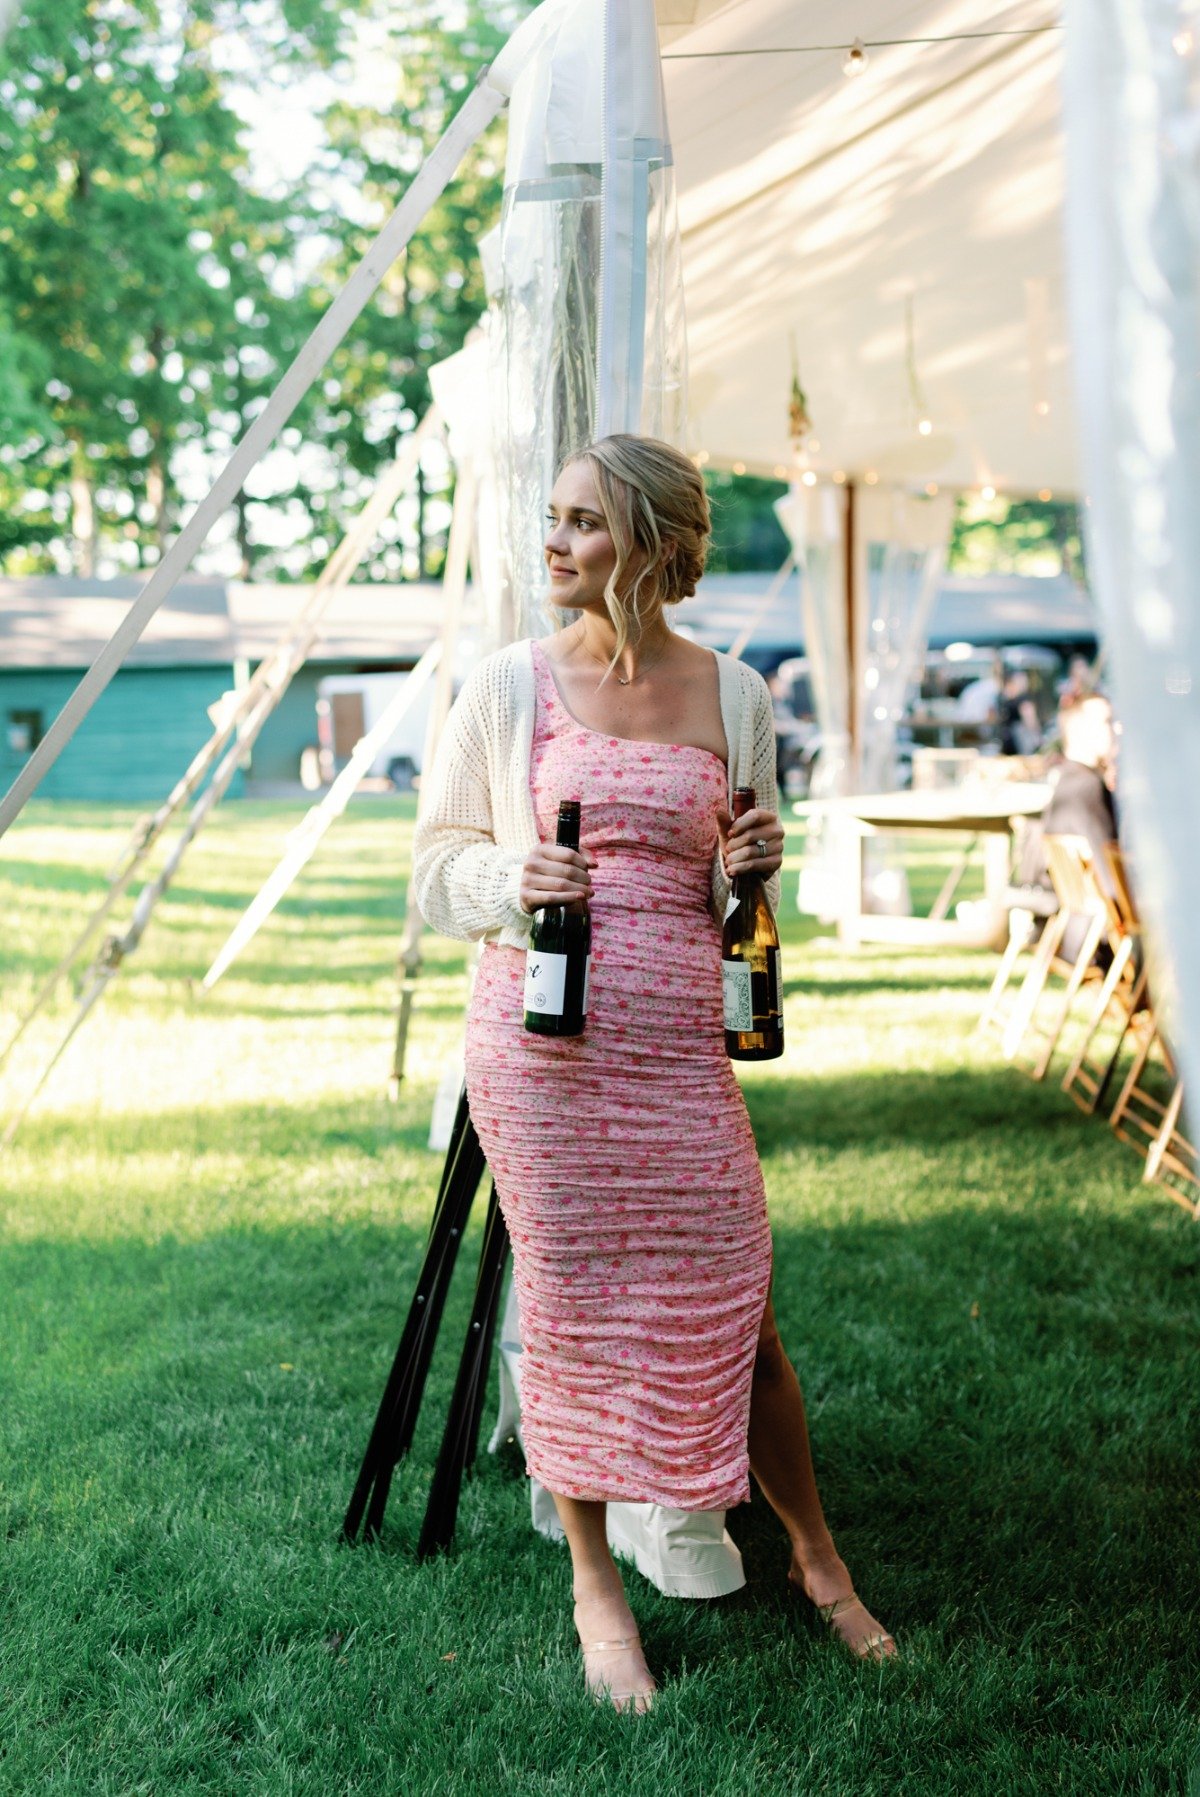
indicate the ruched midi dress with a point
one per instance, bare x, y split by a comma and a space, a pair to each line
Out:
624, 1159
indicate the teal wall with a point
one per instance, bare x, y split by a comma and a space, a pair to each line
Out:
135, 742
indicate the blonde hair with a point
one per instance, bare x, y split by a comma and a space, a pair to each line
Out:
656, 511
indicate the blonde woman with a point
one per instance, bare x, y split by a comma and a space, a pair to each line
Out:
652, 1370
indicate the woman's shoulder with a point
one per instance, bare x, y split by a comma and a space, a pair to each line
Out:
740, 680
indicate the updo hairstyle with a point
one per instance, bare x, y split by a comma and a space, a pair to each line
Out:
656, 511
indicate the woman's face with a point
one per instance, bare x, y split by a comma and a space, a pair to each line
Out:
580, 554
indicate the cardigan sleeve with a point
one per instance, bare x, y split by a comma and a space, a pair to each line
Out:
756, 698
465, 884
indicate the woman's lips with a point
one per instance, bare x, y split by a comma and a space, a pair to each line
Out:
562, 573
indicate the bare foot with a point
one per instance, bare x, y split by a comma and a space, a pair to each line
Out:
827, 1586
614, 1666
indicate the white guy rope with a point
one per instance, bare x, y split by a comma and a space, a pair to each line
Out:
274, 674
312, 827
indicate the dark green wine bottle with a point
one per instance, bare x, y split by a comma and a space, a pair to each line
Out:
558, 960
750, 963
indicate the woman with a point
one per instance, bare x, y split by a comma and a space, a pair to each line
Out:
652, 1370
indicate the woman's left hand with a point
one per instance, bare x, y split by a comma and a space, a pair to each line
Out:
742, 840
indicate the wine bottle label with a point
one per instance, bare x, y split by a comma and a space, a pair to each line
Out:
545, 982
587, 983
736, 990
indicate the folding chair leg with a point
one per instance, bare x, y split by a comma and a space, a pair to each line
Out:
1017, 941
1075, 980
1033, 985
1089, 1100
1162, 1140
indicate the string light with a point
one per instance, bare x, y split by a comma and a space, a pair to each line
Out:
875, 43
739, 467
780, 471
1183, 43
856, 59
700, 457
839, 475
809, 478
871, 477
1042, 408
1045, 495
932, 489
925, 426
987, 494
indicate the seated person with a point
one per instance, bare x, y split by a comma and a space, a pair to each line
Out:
1081, 803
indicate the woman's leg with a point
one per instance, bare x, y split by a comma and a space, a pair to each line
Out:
602, 1613
781, 1461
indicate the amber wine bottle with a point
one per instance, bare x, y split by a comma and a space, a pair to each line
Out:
558, 960
750, 963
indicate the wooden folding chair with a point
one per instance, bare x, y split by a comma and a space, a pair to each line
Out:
1068, 859
1028, 909
1123, 993
1151, 1120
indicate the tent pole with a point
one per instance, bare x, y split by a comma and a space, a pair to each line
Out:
850, 557
454, 586
473, 117
275, 673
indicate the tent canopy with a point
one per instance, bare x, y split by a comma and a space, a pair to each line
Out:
820, 205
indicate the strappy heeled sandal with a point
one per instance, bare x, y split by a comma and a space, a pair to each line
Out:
871, 1647
635, 1702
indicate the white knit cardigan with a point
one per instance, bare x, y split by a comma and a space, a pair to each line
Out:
475, 824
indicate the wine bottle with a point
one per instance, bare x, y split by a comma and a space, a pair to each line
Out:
558, 960
750, 963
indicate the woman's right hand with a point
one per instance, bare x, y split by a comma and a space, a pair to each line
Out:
555, 876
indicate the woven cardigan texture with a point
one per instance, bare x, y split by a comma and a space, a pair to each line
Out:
475, 824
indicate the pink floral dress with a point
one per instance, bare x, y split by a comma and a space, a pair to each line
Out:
624, 1158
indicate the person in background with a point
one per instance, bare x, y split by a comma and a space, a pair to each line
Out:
1019, 726
1082, 802
1079, 682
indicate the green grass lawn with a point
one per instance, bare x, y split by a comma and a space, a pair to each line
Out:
211, 1223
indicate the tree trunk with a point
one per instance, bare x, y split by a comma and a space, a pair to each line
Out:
83, 514
422, 557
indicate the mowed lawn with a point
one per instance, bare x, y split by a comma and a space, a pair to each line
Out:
211, 1224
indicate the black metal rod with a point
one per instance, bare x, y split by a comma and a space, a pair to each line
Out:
461, 1435
395, 1421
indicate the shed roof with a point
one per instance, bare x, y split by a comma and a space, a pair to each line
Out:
63, 622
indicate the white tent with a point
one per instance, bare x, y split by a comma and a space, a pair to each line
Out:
823, 206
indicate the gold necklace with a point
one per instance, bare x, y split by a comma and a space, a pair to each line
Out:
601, 663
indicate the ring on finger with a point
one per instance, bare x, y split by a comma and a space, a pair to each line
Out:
760, 848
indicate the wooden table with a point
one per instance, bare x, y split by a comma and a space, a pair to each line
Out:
982, 812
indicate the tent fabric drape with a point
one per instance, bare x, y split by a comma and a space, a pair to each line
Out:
904, 538
584, 271
1133, 237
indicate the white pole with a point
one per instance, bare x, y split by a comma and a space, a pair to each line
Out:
316, 822
475, 115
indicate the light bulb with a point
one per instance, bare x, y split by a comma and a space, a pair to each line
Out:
809, 478
1183, 43
987, 493
856, 59
925, 426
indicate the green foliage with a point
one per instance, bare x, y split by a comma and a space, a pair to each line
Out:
154, 294
747, 536
1017, 536
211, 1229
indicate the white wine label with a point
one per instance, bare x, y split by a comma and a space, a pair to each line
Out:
730, 907
545, 982
587, 983
739, 1004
